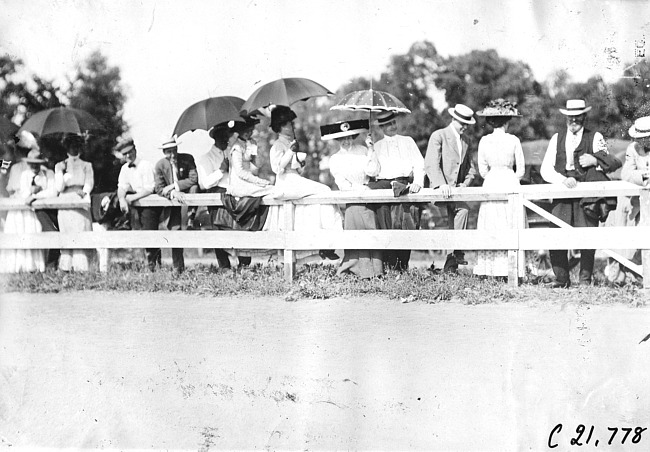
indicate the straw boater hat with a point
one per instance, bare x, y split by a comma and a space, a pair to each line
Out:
462, 113
170, 144
125, 146
575, 107
640, 128
34, 156
343, 129
499, 108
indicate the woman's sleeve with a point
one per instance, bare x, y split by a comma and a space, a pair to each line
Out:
339, 174
280, 157
89, 178
631, 171
59, 183
519, 159
483, 167
237, 164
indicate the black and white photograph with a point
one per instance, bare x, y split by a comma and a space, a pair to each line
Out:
325, 225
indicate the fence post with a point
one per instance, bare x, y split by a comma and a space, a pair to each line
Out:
515, 207
644, 204
289, 254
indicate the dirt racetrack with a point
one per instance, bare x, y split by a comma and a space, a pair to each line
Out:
165, 371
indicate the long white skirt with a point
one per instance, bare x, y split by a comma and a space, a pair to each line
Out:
74, 220
14, 261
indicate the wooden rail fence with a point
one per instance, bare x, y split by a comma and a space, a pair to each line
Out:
516, 239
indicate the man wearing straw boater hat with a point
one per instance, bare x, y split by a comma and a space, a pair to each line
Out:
449, 164
175, 174
569, 155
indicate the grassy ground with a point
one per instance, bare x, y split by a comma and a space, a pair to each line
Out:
316, 281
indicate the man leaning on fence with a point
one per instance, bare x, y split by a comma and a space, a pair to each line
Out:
576, 154
175, 175
136, 180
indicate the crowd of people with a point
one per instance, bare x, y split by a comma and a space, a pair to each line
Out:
382, 159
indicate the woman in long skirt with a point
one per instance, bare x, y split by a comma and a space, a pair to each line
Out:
501, 164
74, 180
352, 166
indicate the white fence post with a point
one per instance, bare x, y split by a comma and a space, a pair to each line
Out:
289, 254
514, 205
644, 204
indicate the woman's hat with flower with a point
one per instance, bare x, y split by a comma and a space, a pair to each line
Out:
27, 140
575, 107
500, 108
249, 122
343, 129
640, 128
462, 113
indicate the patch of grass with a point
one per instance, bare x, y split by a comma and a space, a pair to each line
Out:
314, 282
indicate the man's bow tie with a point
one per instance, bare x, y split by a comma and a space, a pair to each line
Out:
131, 165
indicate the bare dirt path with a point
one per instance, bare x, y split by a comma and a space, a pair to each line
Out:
165, 371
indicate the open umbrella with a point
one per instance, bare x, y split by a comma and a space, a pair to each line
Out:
209, 112
372, 101
61, 120
7, 129
284, 91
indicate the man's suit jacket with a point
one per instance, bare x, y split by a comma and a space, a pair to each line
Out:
187, 175
444, 164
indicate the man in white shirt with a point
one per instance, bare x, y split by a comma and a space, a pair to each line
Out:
569, 155
449, 164
213, 170
136, 180
400, 161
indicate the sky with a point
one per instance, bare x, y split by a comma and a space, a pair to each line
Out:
174, 53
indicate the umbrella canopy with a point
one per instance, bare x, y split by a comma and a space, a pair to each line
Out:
284, 91
7, 129
209, 112
372, 101
61, 120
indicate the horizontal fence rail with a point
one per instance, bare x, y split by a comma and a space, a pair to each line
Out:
517, 239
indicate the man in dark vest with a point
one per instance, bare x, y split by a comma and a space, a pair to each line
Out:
569, 155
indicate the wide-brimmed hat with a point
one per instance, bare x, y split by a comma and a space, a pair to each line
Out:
343, 129
640, 128
385, 117
34, 156
499, 108
462, 113
227, 126
169, 144
575, 107
249, 121
27, 140
281, 114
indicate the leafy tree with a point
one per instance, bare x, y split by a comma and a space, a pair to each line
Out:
97, 89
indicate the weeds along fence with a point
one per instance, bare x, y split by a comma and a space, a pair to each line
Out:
516, 239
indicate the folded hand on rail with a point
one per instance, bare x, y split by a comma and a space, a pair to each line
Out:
445, 190
414, 188
570, 182
179, 195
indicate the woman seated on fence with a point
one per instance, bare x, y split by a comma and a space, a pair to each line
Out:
636, 170
501, 164
352, 166
35, 182
74, 180
287, 162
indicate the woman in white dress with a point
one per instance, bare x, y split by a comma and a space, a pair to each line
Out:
34, 182
242, 157
352, 166
286, 163
501, 164
74, 180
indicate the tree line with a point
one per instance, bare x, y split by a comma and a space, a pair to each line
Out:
421, 78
